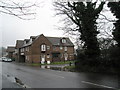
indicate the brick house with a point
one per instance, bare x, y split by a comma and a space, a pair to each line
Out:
41, 49
19, 44
10, 52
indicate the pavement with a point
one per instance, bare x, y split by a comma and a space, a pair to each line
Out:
36, 77
7, 81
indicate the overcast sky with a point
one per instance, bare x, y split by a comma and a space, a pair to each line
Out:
13, 28
45, 23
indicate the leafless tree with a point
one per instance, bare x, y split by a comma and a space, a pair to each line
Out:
104, 24
21, 9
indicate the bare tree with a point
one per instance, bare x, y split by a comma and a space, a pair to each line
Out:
104, 23
21, 9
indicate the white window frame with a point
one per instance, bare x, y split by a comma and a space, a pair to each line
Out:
26, 57
65, 48
63, 40
22, 49
31, 40
48, 55
43, 47
61, 47
16, 51
48, 47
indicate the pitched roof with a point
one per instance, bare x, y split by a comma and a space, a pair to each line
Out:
53, 40
10, 49
33, 37
28, 41
19, 43
57, 41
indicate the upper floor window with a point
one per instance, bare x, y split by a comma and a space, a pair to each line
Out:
43, 47
65, 48
23, 49
48, 47
27, 49
61, 47
63, 40
24, 42
31, 40
16, 51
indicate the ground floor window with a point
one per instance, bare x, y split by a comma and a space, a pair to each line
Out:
54, 55
42, 59
66, 56
27, 58
48, 55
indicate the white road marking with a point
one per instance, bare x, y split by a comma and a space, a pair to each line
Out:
104, 86
58, 76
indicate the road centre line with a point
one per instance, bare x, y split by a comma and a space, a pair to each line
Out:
58, 76
104, 86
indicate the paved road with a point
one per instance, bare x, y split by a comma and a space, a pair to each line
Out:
35, 77
7, 81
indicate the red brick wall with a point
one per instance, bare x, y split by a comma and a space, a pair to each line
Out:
36, 49
35, 53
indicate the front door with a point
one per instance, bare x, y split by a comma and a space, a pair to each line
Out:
66, 56
42, 59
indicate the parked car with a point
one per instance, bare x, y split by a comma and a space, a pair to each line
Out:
5, 59
0, 59
9, 60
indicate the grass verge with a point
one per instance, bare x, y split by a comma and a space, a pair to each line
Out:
70, 68
53, 63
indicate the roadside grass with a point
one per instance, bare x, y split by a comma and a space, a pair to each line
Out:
70, 68
62, 62
53, 63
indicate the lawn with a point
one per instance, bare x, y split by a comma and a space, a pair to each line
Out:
53, 63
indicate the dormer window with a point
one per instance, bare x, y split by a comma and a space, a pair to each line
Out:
31, 40
43, 47
24, 42
63, 40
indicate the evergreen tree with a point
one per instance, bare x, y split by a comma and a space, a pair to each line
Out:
84, 15
115, 9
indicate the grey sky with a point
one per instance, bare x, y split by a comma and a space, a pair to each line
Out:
45, 23
13, 28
